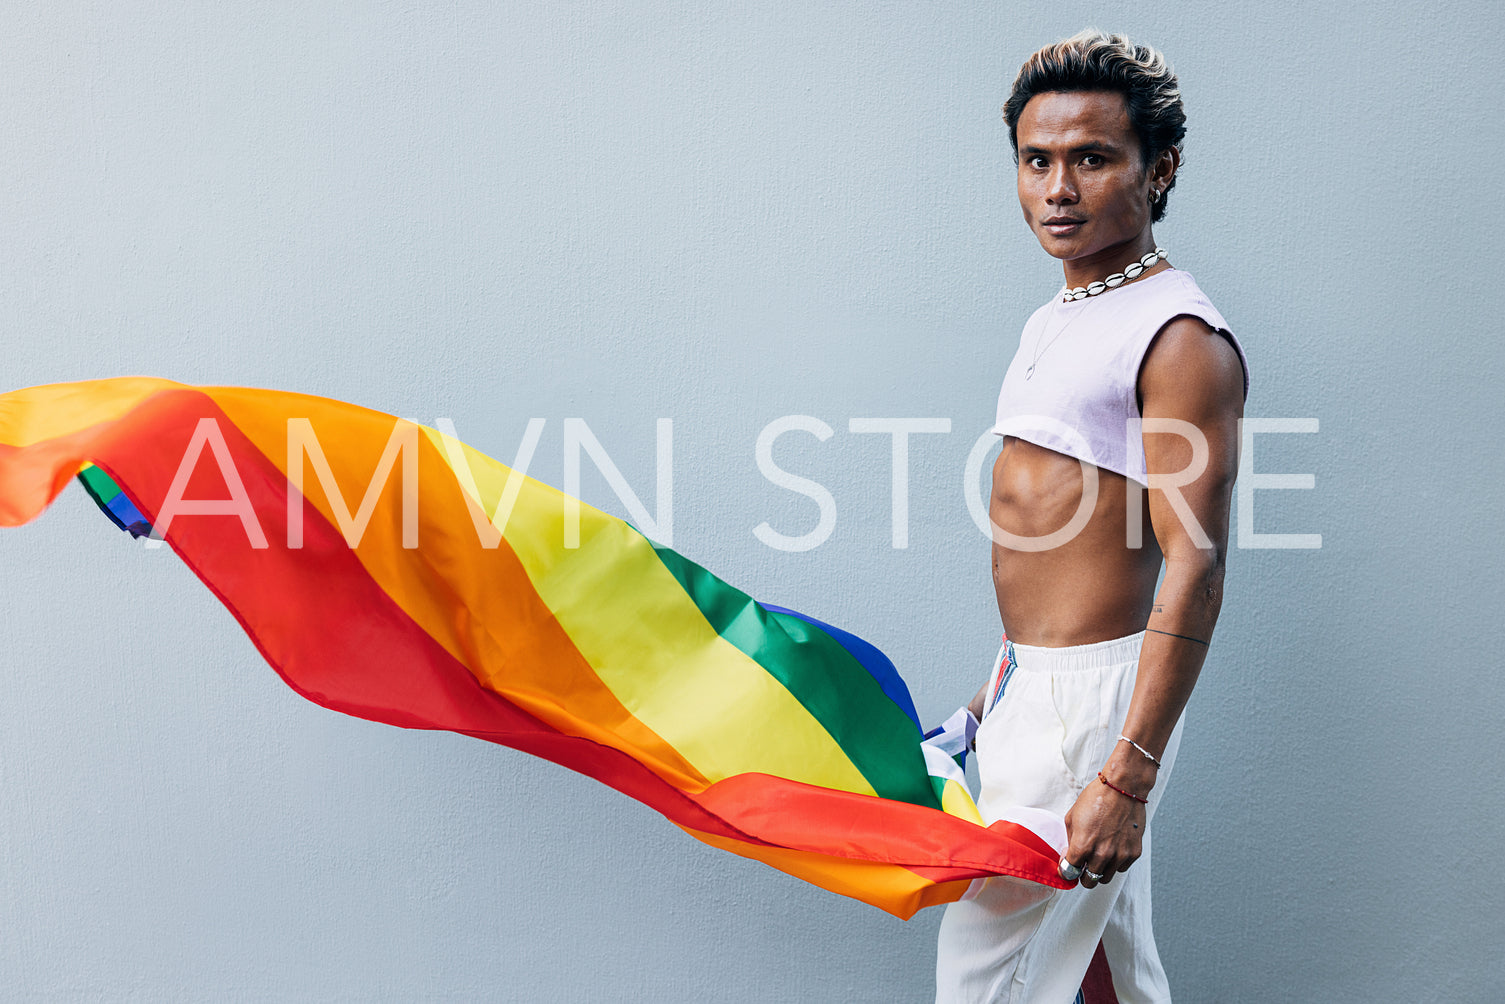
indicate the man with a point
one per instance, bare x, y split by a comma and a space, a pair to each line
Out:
1127, 379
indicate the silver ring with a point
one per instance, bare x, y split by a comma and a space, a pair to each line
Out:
1092, 875
1069, 871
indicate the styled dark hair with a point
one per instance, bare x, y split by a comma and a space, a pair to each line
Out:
1092, 60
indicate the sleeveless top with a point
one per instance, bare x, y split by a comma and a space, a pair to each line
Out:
1086, 356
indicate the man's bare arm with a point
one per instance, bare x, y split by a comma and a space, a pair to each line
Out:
1191, 375
978, 702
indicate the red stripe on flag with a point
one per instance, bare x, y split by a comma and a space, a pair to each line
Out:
320, 621
807, 817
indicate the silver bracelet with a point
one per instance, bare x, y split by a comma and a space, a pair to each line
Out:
1147, 754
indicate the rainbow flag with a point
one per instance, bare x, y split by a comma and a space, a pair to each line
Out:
458, 594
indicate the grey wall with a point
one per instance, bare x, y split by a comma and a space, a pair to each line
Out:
723, 215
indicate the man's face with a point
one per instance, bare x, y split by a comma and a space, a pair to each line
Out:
1079, 163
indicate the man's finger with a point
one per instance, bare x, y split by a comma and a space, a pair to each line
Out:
1099, 869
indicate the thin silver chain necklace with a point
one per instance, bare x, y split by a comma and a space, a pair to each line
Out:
1133, 271
1041, 349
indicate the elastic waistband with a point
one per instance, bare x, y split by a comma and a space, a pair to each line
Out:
1097, 655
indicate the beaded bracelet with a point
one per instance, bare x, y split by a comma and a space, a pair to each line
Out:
1127, 794
1147, 754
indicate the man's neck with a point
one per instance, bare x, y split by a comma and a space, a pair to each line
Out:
1097, 267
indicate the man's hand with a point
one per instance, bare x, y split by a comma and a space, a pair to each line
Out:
1105, 828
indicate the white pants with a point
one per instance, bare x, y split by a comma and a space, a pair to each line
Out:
1040, 745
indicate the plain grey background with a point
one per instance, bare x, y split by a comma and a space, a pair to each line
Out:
724, 214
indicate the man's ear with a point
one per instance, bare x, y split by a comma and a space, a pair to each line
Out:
1166, 164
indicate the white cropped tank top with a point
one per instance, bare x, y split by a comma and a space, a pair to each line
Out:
1086, 355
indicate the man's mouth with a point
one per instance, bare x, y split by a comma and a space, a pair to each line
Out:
1062, 225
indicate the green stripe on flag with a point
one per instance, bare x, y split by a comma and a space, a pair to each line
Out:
100, 486
823, 676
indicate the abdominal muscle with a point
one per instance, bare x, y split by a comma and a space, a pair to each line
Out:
1092, 587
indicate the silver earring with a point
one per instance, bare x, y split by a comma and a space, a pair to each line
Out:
1154, 196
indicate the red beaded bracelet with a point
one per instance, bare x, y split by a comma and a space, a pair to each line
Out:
1128, 794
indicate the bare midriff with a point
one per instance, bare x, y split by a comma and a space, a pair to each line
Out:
1088, 588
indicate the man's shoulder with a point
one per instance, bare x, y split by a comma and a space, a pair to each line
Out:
1189, 356
1190, 332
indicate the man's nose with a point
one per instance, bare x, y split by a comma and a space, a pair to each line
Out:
1061, 187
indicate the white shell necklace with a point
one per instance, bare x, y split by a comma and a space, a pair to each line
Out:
1131, 271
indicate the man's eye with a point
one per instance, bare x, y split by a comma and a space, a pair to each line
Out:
1036, 162
1092, 160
